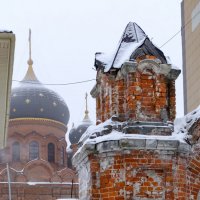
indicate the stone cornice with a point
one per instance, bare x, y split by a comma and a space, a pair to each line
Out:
161, 146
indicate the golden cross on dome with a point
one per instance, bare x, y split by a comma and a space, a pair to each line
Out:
30, 62
30, 75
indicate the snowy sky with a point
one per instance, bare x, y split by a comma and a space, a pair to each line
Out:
67, 33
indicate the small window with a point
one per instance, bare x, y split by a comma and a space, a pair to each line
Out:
62, 156
51, 152
16, 151
33, 150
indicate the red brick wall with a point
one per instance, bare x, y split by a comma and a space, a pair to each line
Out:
171, 173
136, 174
138, 169
193, 176
24, 131
38, 192
141, 94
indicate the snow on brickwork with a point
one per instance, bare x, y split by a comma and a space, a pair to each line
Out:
100, 133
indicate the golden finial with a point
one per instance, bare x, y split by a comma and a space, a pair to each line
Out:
30, 61
86, 110
30, 75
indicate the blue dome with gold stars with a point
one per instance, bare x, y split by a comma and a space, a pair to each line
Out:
33, 100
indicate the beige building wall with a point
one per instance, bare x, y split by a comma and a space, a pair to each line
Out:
191, 53
7, 45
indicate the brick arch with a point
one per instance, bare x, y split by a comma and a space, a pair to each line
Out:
4, 176
52, 138
16, 137
38, 170
67, 175
33, 136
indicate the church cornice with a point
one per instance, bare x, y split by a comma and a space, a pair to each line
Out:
42, 121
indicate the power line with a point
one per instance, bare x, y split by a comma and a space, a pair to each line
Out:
85, 81
60, 84
183, 27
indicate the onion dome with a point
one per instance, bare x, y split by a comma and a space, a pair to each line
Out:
76, 132
33, 100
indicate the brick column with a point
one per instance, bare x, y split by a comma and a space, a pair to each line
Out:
143, 91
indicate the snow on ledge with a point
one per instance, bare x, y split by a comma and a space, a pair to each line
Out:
86, 138
182, 125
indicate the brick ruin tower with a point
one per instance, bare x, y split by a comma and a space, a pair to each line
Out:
133, 152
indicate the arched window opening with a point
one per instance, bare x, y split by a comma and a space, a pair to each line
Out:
51, 152
16, 151
62, 156
33, 150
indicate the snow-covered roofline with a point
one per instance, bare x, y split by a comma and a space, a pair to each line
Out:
132, 39
100, 139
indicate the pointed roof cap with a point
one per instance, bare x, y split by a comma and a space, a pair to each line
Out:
132, 33
132, 38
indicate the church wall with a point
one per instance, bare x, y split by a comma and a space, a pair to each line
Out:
43, 127
25, 132
39, 191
